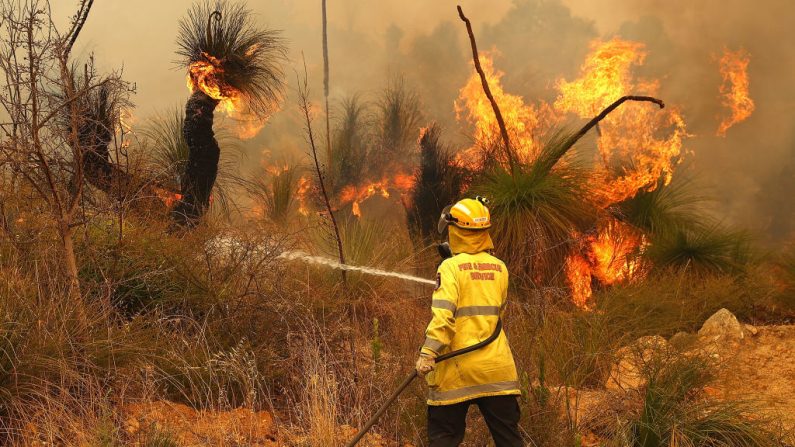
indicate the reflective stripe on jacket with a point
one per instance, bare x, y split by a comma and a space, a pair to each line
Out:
470, 298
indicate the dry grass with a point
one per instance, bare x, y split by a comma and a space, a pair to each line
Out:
213, 320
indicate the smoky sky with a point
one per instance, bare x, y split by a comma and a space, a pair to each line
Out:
535, 42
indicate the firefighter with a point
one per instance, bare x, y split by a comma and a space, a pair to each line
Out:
470, 296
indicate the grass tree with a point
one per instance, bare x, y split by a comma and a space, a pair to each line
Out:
439, 182
664, 209
230, 60
398, 119
700, 249
100, 111
537, 211
349, 151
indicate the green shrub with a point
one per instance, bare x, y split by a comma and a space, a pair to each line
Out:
666, 303
707, 249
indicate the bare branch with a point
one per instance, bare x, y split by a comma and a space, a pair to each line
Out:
595, 120
77, 26
303, 92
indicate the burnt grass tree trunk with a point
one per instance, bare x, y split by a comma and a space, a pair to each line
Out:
95, 133
439, 183
203, 155
95, 136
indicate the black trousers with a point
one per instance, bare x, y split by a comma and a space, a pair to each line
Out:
447, 423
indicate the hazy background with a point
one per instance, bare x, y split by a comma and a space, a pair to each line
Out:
751, 171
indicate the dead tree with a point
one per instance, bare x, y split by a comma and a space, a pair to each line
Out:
40, 145
305, 106
326, 80
594, 122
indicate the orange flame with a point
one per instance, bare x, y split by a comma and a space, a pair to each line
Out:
613, 252
606, 76
578, 275
304, 185
357, 194
638, 146
522, 121
207, 76
734, 90
169, 198
610, 256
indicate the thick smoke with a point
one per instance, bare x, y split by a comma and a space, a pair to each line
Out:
750, 171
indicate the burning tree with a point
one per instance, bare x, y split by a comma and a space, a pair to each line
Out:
566, 205
230, 63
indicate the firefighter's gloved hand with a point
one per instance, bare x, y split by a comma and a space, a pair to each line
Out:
425, 364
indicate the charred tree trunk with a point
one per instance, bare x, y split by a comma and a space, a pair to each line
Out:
202, 167
95, 136
438, 183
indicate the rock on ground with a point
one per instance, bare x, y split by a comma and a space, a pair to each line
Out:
626, 372
722, 325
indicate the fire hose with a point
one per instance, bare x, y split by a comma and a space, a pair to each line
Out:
407, 381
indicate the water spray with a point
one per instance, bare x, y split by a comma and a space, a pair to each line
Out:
297, 255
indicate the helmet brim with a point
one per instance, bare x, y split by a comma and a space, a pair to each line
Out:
443, 222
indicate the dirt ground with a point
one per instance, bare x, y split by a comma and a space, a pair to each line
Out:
761, 367
189, 427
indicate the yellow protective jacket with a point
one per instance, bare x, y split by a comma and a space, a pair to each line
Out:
470, 297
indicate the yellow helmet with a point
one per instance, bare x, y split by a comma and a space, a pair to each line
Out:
469, 214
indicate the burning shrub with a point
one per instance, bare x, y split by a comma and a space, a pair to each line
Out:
537, 213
